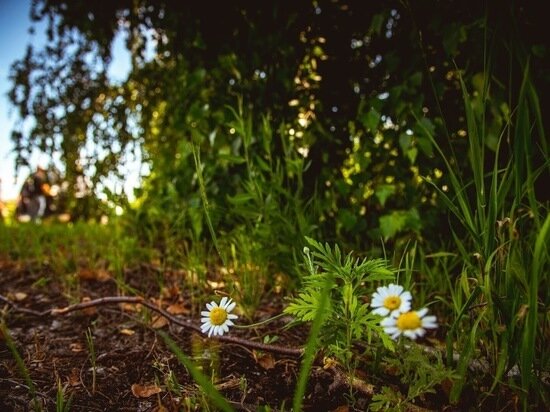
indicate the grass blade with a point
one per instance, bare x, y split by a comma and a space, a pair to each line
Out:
209, 389
311, 345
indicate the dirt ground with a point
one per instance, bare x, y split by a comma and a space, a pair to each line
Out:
135, 371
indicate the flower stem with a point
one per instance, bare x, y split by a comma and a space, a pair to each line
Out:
253, 325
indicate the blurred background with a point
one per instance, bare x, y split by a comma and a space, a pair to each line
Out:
329, 106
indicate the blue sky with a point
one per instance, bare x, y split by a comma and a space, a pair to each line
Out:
14, 26
14, 32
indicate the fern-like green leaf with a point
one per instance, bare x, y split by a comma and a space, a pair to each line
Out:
305, 306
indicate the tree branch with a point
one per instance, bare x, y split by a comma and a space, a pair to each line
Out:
109, 300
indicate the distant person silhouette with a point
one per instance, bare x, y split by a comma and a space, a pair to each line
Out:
1, 203
33, 198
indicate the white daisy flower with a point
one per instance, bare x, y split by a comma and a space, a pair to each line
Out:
391, 300
412, 324
217, 319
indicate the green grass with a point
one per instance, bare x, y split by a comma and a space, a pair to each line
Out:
4, 331
502, 245
487, 282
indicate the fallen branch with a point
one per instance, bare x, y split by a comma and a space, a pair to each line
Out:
109, 300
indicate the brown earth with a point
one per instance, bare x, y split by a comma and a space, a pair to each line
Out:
135, 371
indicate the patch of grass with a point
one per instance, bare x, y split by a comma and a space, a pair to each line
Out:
4, 331
67, 249
498, 312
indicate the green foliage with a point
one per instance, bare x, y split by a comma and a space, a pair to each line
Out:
254, 137
503, 272
268, 201
399, 220
347, 317
357, 131
422, 373
67, 249
305, 305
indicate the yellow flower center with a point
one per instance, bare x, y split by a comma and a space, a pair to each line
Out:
392, 302
409, 320
218, 316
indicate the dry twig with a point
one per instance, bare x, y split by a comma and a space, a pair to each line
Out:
185, 323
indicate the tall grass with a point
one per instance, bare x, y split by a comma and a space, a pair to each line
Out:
265, 216
498, 310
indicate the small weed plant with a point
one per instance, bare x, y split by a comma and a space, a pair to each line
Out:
334, 300
91, 348
347, 316
339, 286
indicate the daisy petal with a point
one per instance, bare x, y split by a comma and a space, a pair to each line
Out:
409, 334
422, 312
398, 289
405, 306
388, 322
382, 311
395, 335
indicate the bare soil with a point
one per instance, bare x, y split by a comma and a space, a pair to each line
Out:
135, 370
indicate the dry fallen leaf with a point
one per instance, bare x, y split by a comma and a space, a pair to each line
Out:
19, 296
145, 391
177, 309
156, 301
159, 322
86, 274
128, 332
130, 307
74, 377
76, 347
102, 275
265, 360
172, 291
91, 311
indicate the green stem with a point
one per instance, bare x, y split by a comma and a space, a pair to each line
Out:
253, 325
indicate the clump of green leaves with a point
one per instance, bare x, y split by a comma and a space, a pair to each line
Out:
348, 319
420, 371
